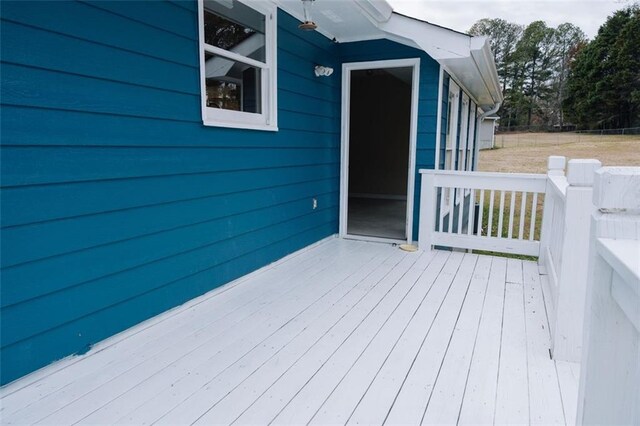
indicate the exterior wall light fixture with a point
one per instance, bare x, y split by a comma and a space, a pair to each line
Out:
322, 71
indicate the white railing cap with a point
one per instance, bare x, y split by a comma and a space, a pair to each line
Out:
555, 164
582, 172
617, 189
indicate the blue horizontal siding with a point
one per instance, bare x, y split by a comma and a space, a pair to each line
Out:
26, 86
117, 203
31, 279
427, 103
41, 203
27, 126
25, 320
86, 22
39, 49
52, 238
32, 165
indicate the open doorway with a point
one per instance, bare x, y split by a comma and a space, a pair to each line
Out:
379, 150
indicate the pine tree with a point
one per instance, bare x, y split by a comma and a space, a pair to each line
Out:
604, 81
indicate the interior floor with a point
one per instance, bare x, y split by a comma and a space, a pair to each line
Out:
377, 218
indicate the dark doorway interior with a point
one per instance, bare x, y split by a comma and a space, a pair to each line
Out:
380, 119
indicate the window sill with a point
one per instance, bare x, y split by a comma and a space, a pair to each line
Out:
242, 126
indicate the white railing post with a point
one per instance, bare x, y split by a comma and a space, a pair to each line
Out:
609, 391
572, 276
555, 167
428, 204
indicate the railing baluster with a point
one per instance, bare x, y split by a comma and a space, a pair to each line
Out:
472, 211
501, 215
523, 207
498, 229
480, 213
460, 210
512, 207
441, 212
534, 208
452, 196
490, 224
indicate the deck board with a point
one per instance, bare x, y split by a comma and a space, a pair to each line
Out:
411, 402
545, 400
353, 335
512, 397
478, 403
446, 398
344, 332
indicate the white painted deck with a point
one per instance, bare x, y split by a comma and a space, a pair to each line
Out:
344, 332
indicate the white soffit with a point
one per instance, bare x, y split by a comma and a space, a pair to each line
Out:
344, 20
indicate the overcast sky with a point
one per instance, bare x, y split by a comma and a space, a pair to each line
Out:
461, 14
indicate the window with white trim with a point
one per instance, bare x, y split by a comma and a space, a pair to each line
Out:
237, 63
451, 135
472, 136
452, 126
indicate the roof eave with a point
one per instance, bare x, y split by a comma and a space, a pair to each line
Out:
462, 56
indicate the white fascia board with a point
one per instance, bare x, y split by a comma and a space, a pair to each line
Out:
378, 10
468, 59
438, 42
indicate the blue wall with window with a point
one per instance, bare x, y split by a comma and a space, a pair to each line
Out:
117, 203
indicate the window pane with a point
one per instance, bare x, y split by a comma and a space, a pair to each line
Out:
232, 85
230, 25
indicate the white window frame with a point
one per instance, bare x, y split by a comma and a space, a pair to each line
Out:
268, 118
473, 117
464, 133
451, 136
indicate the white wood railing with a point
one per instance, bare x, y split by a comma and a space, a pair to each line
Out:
447, 211
610, 373
589, 249
507, 223
564, 246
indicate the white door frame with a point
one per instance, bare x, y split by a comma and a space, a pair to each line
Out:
413, 133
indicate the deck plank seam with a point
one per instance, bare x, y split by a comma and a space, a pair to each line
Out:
340, 345
201, 344
504, 297
446, 351
421, 344
270, 335
475, 341
393, 346
320, 337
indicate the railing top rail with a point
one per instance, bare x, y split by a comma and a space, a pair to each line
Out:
534, 176
623, 257
488, 181
559, 185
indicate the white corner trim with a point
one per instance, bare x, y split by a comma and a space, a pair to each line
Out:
439, 119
